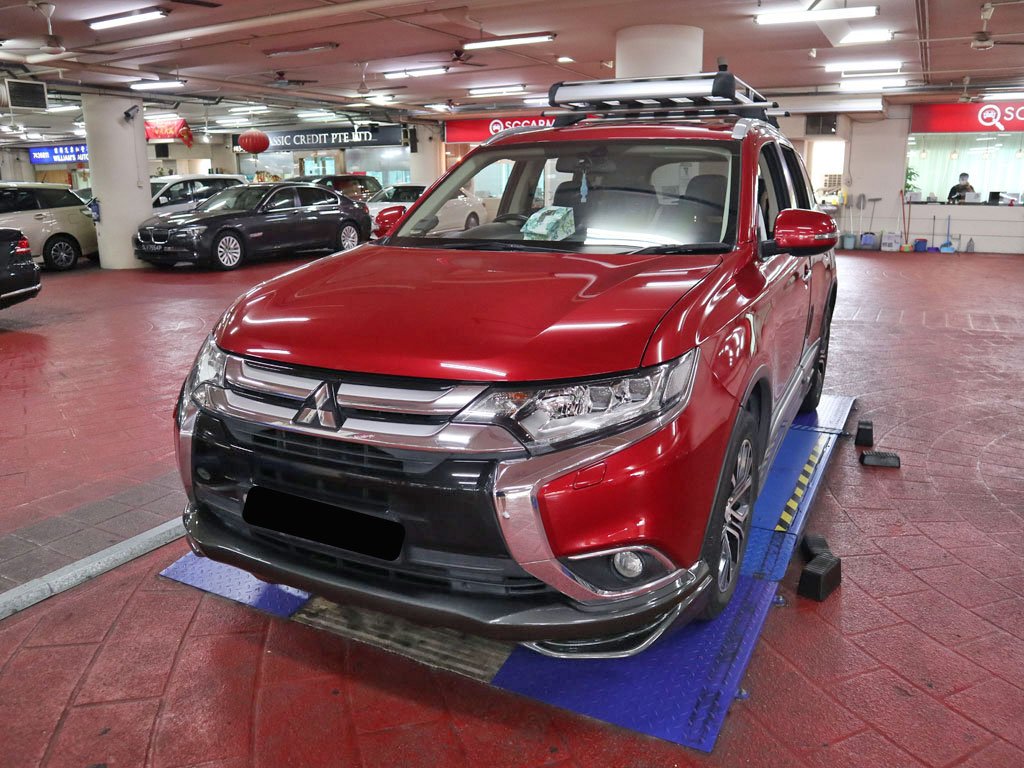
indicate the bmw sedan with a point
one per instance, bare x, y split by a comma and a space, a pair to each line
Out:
251, 221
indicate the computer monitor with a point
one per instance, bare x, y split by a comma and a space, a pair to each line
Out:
994, 197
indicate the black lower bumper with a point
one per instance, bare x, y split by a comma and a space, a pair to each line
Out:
168, 255
546, 616
19, 282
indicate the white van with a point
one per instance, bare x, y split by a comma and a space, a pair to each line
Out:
58, 225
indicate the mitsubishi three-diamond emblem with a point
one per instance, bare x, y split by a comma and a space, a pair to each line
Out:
319, 409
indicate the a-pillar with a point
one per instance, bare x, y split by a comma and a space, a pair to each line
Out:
426, 164
119, 171
656, 50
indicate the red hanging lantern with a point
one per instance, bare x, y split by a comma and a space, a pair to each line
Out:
254, 142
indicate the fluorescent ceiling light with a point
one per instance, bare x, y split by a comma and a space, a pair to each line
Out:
79, 131
313, 113
428, 72
438, 107
381, 97
123, 20
867, 36
864, 66
319, 119
498, 90
162, 116
312, 48
33, 135
65, 108
232, 121
870, 85
156, 85
356, 104
501, 42
831, 14
565, 59
255, 108
1006, 96
395, 75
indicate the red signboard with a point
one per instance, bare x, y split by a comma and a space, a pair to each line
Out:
169, 129
475, 131
987, 117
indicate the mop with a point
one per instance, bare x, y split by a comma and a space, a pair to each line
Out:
862, 203
932, 247
869, 239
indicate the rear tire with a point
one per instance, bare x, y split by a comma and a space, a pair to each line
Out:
348, 236
228, 251
813, 396
729, 527
61, 253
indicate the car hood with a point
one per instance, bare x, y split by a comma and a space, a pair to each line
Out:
464, 315
187, 218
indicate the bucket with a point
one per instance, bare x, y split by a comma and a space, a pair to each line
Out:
920, 245
849, 242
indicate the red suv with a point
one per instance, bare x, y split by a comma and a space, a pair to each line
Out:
550, 427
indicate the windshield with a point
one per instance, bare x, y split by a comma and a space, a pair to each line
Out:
397, 195
237, 198
595, 196
156, 186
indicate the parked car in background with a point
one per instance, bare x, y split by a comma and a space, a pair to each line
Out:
180, 193
56, 222
245, 222
351, 185
463, 211
551, 427
19, 275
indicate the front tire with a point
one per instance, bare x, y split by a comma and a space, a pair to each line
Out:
61, 253
729, 527
228, 251
348, 236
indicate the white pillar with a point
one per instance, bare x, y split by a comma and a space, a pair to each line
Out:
655, 50
120, 175
427, 162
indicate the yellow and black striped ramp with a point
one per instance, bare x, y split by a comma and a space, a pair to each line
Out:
789, 511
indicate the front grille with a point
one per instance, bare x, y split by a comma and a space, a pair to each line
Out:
151, 235
322, 450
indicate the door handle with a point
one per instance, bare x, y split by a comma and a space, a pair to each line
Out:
806, 274
39, 216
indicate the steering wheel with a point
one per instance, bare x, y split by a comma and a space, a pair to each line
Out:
516, 217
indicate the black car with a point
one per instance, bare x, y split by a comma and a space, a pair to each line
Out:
254, 220
19, 275
352, 185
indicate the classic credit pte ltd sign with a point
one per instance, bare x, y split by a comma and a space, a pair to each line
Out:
334, 137
475, 131
990, 117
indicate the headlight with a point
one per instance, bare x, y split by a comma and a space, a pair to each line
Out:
207, 369
548, 417
189, 232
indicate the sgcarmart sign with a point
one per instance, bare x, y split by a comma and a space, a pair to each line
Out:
968, 118
475, 131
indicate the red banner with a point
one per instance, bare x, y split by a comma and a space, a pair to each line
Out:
169, 129
475, 131
987, 117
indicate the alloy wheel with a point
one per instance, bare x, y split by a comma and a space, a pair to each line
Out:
349, 237
737, 512
62, 254
229, 251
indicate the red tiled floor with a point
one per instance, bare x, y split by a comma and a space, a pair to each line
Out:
918, 659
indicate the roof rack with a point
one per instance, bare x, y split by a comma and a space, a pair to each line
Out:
702, 95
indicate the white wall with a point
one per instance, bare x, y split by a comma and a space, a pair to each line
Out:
15, 166
877, 165
217, 153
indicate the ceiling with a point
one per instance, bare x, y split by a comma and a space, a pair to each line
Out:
219, 49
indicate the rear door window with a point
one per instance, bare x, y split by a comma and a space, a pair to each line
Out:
280, 200
310, 196
16, 200
57, 198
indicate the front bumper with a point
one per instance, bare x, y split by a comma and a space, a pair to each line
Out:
547, 616
171, 252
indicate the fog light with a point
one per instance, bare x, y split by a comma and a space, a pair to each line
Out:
628, 564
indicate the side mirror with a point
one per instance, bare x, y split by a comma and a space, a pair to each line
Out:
804, 233
387, 220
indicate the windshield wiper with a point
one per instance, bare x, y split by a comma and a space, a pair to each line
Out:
682, 248
496, 245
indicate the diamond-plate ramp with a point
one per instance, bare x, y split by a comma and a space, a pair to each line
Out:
830, 415
679, 689
235, 584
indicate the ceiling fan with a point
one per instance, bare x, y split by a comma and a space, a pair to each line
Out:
49, 43
965, 97
281, 81
982, 40
460, 57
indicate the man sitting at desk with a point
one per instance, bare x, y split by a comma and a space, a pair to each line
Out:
958, 192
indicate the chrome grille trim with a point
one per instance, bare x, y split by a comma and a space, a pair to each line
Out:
445, 402
484, 439
241, 374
